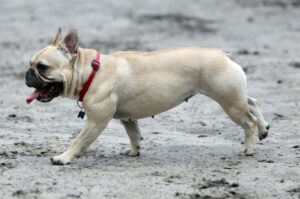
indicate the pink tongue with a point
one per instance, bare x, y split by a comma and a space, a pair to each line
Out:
33, 96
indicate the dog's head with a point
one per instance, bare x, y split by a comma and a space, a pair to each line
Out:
51, 68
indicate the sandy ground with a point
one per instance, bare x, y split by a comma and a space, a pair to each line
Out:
191, 151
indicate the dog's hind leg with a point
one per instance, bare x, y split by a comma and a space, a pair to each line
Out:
133, 133
262, 125
247, 121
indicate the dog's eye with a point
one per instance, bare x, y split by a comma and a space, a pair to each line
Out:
42, 68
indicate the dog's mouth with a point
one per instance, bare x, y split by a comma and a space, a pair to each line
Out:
46, 93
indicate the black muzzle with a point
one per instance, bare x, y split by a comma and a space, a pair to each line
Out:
32, 80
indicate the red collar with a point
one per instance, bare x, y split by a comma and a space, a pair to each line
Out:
95, 65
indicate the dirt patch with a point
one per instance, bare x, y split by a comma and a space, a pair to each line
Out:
179, 22
295, 191
214, 189
295, 64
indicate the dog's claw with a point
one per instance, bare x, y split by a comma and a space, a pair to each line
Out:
58, 161
131, 153
263, 135
248, 152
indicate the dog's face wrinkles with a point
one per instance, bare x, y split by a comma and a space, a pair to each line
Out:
49, 71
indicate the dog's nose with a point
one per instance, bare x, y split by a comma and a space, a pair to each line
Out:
28, 77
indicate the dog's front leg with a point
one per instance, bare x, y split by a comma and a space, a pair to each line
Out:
86, 137
98, 117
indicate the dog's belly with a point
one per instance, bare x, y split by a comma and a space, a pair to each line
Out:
133, 110
151, 101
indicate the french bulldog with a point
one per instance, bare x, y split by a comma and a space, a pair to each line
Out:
132, 85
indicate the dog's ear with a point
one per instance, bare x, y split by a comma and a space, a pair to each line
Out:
71, 41
57, 37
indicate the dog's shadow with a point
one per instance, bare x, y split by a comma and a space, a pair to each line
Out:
162, 156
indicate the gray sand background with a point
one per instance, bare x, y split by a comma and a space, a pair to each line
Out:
191, 151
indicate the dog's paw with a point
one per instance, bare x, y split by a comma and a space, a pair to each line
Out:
263, 135
131, 153
59, 160
263, 132
268, 126
248, 152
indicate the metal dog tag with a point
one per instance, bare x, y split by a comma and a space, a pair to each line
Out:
81, 114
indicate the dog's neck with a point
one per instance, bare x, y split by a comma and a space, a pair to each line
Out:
81, 69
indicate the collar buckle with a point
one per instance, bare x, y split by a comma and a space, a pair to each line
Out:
95, 64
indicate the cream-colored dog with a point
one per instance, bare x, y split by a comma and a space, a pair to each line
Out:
133, 85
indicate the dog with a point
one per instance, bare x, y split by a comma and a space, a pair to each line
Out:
132, 85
